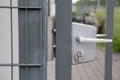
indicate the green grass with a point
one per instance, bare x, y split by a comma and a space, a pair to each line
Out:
100, 14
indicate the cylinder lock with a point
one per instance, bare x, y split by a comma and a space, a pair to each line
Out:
78, 55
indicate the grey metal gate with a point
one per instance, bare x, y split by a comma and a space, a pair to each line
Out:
32, 39
63, 39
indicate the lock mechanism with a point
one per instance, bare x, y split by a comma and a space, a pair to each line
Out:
84, 43
78, 55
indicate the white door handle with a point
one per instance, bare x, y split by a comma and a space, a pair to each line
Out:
93, 40
100, 35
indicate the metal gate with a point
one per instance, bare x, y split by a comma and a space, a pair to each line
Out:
23, 45
23, 40
63, 39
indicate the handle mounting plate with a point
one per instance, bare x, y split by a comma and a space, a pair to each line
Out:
89, 49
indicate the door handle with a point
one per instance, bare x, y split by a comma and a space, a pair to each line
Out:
92, 40
100, 35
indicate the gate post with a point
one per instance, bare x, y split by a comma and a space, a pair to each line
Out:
109, 32
63, 39
32, 39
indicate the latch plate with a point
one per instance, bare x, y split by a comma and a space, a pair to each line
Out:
86, 50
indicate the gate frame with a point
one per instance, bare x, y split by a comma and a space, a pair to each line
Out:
63, 39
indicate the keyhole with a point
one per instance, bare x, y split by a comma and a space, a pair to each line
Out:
78, 56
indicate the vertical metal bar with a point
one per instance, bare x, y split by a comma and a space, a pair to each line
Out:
63, 39
26, 4
11, 20
109, 32
44, 24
